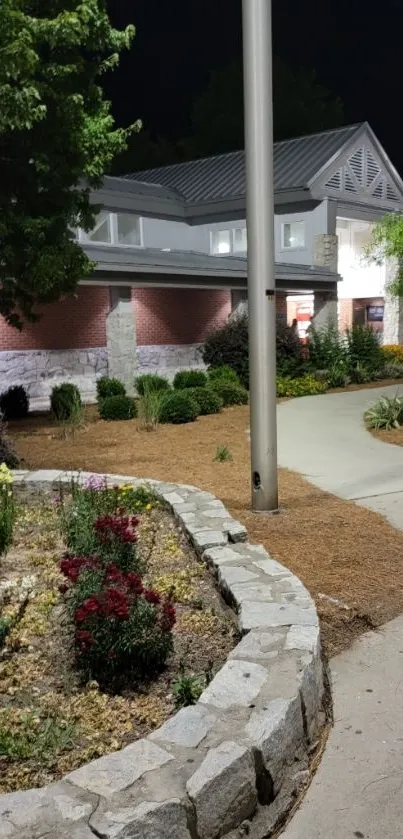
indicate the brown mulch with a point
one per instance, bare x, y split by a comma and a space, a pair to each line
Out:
394, 435
339, 550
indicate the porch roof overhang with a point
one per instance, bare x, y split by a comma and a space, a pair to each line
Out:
189, 269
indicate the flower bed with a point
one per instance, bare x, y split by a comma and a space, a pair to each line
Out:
86, 633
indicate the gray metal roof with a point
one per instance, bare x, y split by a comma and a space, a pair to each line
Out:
128, 261
296, 162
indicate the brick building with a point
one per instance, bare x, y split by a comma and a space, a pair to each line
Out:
170, 248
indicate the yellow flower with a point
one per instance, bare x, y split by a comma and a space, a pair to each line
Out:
5, 475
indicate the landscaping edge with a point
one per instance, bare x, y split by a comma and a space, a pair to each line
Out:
243, 749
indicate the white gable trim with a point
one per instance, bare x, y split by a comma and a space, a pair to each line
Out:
360, 172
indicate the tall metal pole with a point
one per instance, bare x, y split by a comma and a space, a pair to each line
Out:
258, 96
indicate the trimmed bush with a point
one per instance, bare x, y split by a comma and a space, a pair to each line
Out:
385, 413
149, 382
64, 400
225, 373
208, 400
190, 378
306, 385
14, 403
117, 408
110, 387
230, 393
179, 407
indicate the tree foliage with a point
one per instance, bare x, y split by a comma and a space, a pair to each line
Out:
387, 245
57, 138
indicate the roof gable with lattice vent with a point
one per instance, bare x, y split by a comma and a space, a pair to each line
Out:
363, 174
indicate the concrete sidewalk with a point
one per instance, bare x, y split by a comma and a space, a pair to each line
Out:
324, 439
358, 789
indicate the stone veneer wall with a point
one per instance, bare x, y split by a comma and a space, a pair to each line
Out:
167, 359
40, 370
237, 759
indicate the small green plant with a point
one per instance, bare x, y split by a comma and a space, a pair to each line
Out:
14, 403
307, 385
64, 400
231, 394
178, 407
386, 413
149, 408
392, 369
224, 372
117, 408
109, 387
222, 454
190, 378
5, 628
74, 421
36, 737
208, 400
187, 688
152, 382
7, 509
8, 454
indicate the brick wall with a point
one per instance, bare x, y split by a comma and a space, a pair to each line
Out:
178, 316
281, 304
75, 323
345, 314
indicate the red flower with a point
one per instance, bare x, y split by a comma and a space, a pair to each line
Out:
168, 617
134, 582
91, 604
116, 604
80, 615
84, 639
152, 596
121, 527
113, 573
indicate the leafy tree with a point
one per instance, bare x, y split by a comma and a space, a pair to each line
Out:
387, 244
301, 106
57, 138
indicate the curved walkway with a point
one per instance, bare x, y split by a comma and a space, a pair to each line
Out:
324, 439
357, 791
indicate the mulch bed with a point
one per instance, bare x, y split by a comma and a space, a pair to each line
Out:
341, 551
50, 723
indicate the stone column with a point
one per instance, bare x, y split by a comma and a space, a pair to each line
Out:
393, 311
325, 302
121, 336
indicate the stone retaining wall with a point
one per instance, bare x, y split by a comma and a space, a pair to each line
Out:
222, 766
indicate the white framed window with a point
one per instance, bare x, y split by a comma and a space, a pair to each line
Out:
292, 235
220, 241
122, 229
101, 233
240, 243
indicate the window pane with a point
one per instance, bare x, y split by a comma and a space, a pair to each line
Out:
101, 232
128, 227
220, 241
294, 234
240, 240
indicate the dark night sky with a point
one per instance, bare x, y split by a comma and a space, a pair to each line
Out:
354, 46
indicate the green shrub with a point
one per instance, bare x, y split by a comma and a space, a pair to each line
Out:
14, 403
306, 385
179, 407
8, 455
338, 374
230, 393
64, 400
208, 400
392, 369
385, 413
224, 372
326, 347
363, 350
228, 346
151, 381
109, 387
117, 408
190, 378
